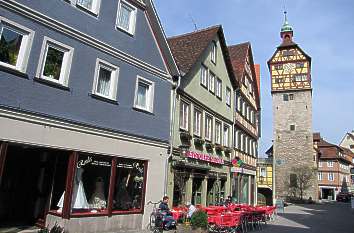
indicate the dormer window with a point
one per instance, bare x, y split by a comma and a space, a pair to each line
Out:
126, 17
89, 5
213, 52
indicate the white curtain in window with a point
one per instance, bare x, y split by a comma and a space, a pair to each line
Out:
104, 82
86, 3
124, 18
142, 95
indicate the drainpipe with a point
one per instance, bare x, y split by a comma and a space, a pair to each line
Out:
176, 83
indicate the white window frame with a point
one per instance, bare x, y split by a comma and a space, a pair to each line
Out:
132, 20
26, 44
66, 65
226, 135
319, 164
208, 127
150, 94
185, 115
330, 176
329, 163
204, 76
228, 96
263, 172
218, 88
218, 136
95, 6
114, 78
212, 78
213, 53
197, 122
320, 176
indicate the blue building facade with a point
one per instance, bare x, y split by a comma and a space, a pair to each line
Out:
85, 100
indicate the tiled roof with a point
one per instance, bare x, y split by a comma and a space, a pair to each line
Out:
317, 136
187, 48
257, 68
348, 152
238, 54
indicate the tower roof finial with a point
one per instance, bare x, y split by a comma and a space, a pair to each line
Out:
286, 26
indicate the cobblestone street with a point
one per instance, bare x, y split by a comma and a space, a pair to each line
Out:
324, 218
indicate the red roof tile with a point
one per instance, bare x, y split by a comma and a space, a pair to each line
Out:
187, 48
238, 54
257, 68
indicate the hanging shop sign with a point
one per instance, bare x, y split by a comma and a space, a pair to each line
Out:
237, 162
204, 157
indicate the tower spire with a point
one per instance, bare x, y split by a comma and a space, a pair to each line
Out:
286, 32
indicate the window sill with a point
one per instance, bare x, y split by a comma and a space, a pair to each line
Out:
122, 212
90, 12
14, 72
131, 34
102, 213
143, 110
218, 97
52, 84
102, 98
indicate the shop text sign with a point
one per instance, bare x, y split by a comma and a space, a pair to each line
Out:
204, 157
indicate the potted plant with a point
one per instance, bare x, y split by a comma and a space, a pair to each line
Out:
209, 146
219, 147
185, 136
228, 150
198, 141
199, 221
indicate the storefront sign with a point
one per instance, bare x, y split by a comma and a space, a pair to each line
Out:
204, 157
243, 171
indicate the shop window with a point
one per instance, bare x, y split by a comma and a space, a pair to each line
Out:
15, 44
91, 184
129, 185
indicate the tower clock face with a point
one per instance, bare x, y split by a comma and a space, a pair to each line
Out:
289, 67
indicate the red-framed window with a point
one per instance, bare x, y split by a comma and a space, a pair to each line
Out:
99, 185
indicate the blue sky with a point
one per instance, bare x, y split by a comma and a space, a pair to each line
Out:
323, 28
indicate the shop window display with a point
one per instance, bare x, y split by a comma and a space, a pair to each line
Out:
129, 185
90, 185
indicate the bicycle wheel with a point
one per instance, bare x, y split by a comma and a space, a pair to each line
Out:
152, 225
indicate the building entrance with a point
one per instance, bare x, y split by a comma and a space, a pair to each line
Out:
197, 191
328, 194
27, 182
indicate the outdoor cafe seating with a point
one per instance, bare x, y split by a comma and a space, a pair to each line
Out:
232, 218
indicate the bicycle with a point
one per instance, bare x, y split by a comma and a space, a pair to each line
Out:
156, 219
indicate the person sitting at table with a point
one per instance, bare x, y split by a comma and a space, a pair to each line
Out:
191, 209
228, 201
168, 219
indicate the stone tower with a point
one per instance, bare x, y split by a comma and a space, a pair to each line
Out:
290, 71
